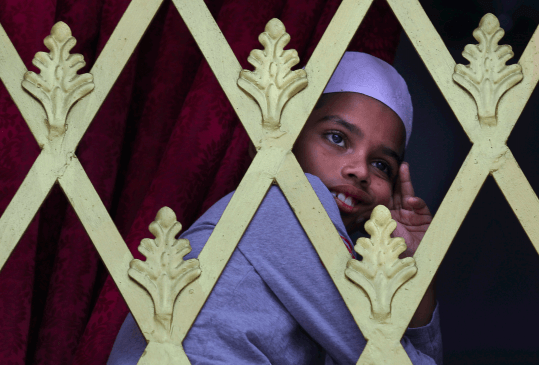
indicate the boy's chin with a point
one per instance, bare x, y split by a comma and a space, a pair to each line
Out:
358, 225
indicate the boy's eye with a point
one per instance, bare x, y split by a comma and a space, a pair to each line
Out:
335, 139
382, 166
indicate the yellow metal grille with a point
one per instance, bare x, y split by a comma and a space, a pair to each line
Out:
274, 162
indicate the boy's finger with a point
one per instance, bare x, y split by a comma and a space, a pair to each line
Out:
418, 205
406, 187
397, 199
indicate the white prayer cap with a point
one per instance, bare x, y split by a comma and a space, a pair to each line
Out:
365, 74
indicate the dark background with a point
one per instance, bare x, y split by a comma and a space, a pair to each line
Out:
488, 283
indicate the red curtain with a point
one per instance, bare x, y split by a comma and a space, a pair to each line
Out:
166, 135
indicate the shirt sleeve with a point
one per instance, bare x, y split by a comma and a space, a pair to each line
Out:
428, 339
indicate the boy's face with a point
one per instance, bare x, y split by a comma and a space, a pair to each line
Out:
354, 144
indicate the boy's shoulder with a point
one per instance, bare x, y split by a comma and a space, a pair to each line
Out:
275, 204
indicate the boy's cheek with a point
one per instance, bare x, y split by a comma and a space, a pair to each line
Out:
385, 196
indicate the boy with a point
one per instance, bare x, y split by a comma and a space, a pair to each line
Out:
274, 302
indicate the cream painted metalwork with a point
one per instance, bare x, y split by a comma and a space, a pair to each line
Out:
164, 273
273, 83
58, 86
487, 77
274, 163
381, 273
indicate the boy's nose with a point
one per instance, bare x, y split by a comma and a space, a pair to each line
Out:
358, 171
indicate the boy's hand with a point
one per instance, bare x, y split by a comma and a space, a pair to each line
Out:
410, 212
413, 218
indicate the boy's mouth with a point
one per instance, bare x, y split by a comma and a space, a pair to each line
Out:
349, 201
344, 199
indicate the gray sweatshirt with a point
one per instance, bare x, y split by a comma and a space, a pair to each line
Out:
274, 302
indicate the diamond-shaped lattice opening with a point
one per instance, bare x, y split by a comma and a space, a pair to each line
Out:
523, 141
166, 74
438, 145
488, 283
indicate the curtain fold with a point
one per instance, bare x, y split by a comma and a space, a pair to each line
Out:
165, 135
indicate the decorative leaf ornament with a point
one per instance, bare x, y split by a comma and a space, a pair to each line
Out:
164, 273
273, 83
487, 77
381, 272
58, 86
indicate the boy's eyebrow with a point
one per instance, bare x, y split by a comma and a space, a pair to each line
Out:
388, 151
352, 128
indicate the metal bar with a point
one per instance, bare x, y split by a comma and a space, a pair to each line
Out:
107, 240
323, 235
225, 237
390, 352
439, 236
26, 202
